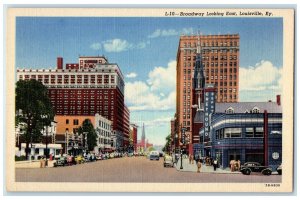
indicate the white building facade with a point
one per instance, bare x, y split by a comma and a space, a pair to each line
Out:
103, 129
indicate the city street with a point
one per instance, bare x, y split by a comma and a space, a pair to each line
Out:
132, 169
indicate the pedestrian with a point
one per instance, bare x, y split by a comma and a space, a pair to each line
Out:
41, 162
215, 164
232, 165
192, 158
199, 165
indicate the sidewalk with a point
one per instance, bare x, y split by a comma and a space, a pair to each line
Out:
31, 164
204, 169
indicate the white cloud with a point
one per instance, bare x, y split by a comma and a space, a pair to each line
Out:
131, 75
263, 76
169, 32
163, 33
116, 45
163, 80
158, 93
119, 45
95, 46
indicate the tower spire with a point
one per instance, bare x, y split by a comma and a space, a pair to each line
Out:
143, 136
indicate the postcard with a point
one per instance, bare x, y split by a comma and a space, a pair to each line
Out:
149, 100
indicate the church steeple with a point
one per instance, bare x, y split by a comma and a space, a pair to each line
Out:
199, 78
143, 136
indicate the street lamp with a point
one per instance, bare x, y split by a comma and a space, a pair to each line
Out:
181, 167
183, 143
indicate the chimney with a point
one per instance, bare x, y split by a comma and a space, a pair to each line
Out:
59, 63
278, 101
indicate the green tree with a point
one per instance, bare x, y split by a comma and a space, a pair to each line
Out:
33, 110
166, 148
88, 128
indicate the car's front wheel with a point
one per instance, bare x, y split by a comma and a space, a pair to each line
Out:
279, 172
247, 172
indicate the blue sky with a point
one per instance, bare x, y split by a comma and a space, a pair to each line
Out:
145, 50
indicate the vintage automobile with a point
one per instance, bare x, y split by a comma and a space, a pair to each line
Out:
279, 169
154, 155
79, 159
250, 167
62, 161
168, 161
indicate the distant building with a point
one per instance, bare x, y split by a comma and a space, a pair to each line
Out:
143, 144
134, 133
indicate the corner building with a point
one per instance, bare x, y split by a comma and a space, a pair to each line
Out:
93, 85
220, 59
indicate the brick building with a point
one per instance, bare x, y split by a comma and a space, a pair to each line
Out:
220, 60
93, 85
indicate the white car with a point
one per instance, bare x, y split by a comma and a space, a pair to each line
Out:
154, 155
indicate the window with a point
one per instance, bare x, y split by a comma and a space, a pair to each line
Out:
229, 110
255, 110
259, 132
249, 131
37, 151
75, 122
67, 121
232, 132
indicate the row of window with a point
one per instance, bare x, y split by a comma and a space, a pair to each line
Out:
104, 125
206, 51
251, 132
230, 77
212, 64
230, 70
211, 44
211, 58
86, 77
230, 110
81, 91
75, 121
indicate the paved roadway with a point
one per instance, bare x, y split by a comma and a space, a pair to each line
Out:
133, 169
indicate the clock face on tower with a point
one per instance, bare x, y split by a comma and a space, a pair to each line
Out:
275, 155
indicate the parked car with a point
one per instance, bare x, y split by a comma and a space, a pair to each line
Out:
62, 161
99, 157
79, 159
250, 167
71, 160
279, 169
154, 155
168, 161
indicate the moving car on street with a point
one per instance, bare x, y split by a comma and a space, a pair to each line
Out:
168, 161
154, 155
250, 167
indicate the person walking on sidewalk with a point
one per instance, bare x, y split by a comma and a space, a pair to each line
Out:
199, 165
215, 164
190, 158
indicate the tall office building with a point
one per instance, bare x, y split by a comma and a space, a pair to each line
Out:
219, 57
91, 86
